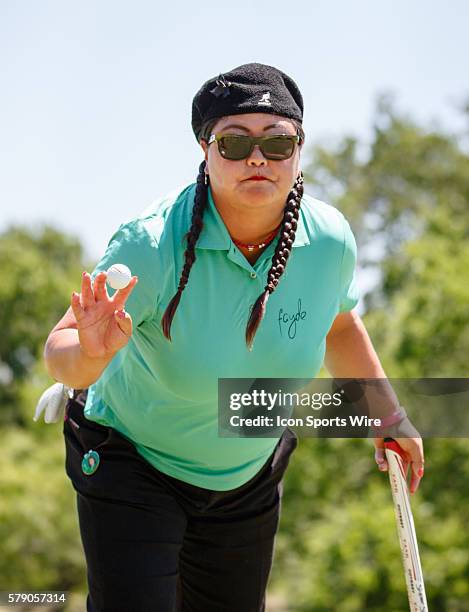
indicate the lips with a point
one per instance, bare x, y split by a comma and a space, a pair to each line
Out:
257, 178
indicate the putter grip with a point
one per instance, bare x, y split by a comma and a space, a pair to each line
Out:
393, 445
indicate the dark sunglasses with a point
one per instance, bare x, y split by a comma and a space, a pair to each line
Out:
236, 147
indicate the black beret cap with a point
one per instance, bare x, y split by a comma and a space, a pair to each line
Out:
250, 88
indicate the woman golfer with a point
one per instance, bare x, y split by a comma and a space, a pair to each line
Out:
240, 275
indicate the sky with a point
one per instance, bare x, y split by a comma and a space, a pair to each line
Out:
95, 102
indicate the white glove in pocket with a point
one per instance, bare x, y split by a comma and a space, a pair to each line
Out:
52, 402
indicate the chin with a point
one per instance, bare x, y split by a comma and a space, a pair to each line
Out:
257, 197
258, 186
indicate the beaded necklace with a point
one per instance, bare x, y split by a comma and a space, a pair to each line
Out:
265, 242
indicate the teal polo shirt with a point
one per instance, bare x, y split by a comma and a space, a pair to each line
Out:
163, 396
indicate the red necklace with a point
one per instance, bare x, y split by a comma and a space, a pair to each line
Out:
251, 247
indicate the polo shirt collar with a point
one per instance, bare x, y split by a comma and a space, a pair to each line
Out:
215, 235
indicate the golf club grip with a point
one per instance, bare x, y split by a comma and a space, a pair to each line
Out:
405, 527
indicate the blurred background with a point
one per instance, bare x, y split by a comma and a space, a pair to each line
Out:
95, 124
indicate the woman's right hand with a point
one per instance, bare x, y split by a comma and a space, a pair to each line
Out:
104, 327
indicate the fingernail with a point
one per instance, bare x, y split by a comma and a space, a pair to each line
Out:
121, 314
84, 273
420, 472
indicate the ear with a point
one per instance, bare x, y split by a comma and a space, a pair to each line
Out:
204, 146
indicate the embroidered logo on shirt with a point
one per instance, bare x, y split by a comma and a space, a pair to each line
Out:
289, 322
265, 100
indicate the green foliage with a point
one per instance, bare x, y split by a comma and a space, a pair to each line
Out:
38, 524
424, 331
338, 547
40, 544
407, 200
40, 270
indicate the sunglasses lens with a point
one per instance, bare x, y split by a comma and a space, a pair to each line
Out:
278, 148
234, 147
239, 147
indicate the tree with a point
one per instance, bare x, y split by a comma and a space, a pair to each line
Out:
408, 205
40, 270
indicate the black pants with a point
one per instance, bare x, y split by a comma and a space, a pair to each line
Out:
156, 544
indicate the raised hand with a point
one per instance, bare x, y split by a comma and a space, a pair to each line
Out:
104, 327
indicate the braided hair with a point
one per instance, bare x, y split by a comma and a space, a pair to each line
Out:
200, 203
279, 259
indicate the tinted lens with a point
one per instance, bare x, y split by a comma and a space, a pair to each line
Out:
235, 147
278, 147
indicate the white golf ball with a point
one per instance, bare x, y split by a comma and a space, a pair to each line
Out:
118, 276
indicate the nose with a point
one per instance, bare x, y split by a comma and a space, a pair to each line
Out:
256, 158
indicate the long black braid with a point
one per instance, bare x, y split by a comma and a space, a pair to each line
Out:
279, 259
200, 203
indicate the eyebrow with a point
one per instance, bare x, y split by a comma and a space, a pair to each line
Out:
245, 129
